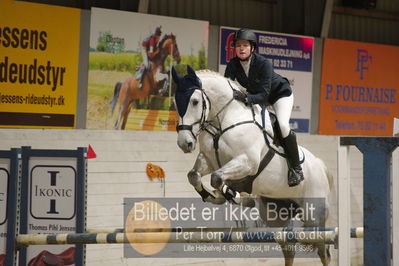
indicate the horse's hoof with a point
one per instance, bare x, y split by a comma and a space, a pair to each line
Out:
194, 177
215, 198
248, 202
216, 180
218, 201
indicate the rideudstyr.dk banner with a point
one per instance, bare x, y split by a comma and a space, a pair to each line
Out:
291, 57
359, 89
38, 65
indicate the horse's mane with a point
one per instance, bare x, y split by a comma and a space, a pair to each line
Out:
166, 37
211, 73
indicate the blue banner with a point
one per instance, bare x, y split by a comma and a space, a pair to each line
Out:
291, 57
286, 52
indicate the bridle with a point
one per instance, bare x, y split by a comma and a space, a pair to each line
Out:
203, 123
217, 131
202, 120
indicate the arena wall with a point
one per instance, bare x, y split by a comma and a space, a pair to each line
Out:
119, 172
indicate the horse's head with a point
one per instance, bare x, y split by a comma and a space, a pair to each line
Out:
168, 44
191, 104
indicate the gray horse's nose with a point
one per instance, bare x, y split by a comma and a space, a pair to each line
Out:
190, 145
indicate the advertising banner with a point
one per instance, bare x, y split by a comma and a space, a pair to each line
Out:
9, 178
4, 181
53, 202
39, 50
129, 67
191, 228
291, 57
359, 89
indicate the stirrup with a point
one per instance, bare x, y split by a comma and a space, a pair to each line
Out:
295, 176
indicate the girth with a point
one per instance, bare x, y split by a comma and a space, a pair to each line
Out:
245, 184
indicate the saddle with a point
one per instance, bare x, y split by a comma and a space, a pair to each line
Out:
277, 137
245, 184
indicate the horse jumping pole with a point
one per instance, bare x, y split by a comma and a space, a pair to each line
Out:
327, 237
157, 235
377, 155
355, 232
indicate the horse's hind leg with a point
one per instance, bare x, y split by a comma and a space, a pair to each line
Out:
323, 251
118, 120
318, 219
268, 205
125, 115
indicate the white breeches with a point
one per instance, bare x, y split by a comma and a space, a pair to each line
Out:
160, 76
145, 57
283, 108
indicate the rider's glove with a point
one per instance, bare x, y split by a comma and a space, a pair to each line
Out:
240, 96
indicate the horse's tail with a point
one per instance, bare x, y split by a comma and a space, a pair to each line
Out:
330, 179
117, 89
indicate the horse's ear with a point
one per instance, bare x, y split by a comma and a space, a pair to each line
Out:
190, 71
176, 77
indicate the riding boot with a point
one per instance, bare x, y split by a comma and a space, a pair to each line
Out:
142, 73
140, 85
165, 87
295, 174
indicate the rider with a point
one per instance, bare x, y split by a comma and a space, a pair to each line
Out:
265, 87
149, 50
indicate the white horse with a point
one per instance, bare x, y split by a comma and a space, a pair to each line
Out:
234, 149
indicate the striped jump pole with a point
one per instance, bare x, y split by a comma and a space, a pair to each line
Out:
182, 235
355, 232
327, 237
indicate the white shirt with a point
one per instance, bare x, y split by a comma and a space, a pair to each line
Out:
245, 65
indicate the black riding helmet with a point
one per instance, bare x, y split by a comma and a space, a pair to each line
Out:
245, 34
158, 31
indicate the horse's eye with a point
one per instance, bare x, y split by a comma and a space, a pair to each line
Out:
195, 102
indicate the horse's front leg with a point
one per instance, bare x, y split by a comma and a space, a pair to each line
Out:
235, 169
201, 168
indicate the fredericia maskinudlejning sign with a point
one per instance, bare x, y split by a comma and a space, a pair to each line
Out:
53, 192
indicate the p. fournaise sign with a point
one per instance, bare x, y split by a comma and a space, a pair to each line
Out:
359, 89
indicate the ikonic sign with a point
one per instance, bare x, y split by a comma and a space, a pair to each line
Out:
4, 180
52, 191
3, 195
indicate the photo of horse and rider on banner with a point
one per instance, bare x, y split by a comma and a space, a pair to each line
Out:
130, 59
